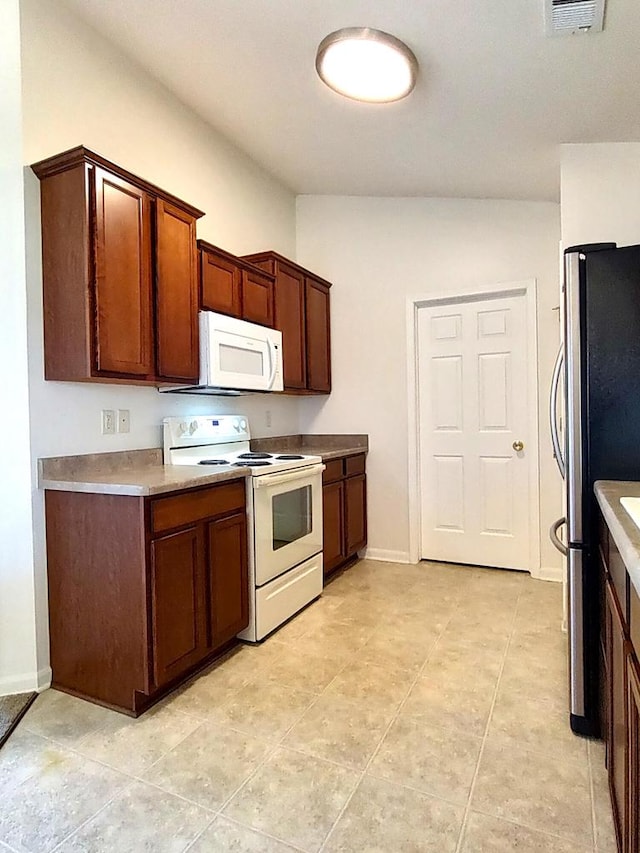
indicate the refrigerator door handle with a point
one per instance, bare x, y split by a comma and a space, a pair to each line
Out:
553, 412
555, 539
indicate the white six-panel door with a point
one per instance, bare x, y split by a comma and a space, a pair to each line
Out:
472, 379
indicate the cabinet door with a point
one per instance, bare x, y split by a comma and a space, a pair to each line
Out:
176, 294
355, 513
617, 754
123, 285
318, 336
290, 320
333, 539
178, 603
257, 298
220, 282
633, 746
229, 577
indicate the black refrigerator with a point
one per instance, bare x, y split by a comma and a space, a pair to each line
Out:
600, 363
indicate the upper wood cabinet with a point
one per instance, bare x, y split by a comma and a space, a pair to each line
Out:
230, 285
119, 274
302, 314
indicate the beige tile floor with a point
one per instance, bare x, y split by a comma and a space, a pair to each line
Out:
412, 708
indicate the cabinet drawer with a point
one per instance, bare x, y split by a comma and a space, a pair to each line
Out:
354, 465
189, 507
334, 471
618, 575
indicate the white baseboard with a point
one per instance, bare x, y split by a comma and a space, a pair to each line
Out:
385, 556
548, 573
26, 682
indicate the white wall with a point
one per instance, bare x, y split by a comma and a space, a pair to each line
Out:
77, 89
17, 623
600, 193
377, 252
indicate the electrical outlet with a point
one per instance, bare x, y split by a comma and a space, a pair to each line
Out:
267, 417
108, 422
124, 421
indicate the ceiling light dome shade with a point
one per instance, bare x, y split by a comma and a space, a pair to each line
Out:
367, 65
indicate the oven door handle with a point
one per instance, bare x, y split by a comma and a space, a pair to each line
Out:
265, 480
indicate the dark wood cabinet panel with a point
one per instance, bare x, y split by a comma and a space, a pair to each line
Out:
176, 294
318, 324
333, 545
356, 512
178, 614
302, 314
344, 496
633, 754
123, 283
119, 274
232, 286
257, 297
97, 595
290, 320
229, 578
618, 650
220, 283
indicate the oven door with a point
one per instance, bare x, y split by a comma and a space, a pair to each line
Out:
287, 509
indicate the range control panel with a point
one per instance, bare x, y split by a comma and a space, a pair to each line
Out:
189, 430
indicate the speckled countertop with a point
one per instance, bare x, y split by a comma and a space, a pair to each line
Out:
141, 472
327, 446
132, 472
625, 533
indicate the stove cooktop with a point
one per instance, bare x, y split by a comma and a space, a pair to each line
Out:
223, 440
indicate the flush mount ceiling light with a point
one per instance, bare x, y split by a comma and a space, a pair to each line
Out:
366, 65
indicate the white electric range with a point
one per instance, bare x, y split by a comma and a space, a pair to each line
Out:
284, 509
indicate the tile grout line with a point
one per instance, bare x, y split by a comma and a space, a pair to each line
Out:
385, 733
465, 818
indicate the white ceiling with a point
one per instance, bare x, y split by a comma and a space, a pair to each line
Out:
494, 98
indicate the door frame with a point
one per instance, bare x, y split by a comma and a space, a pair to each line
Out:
528, 289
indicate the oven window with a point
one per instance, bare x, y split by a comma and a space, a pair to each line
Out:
292, 516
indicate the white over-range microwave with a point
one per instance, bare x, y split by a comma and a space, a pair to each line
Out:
236, 356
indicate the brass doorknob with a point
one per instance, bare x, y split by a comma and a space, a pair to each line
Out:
518, 446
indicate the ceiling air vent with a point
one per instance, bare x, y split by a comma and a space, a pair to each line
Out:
567, 17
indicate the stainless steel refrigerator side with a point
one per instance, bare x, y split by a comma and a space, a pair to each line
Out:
573, 392
577, 685
575, 484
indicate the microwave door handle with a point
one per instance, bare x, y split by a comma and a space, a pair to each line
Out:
553, 412
273, 364
290, 477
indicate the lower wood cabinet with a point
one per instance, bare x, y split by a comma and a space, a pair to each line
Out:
178, 603
620, 635
617, 741
143, 591
344, 506
633, 755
